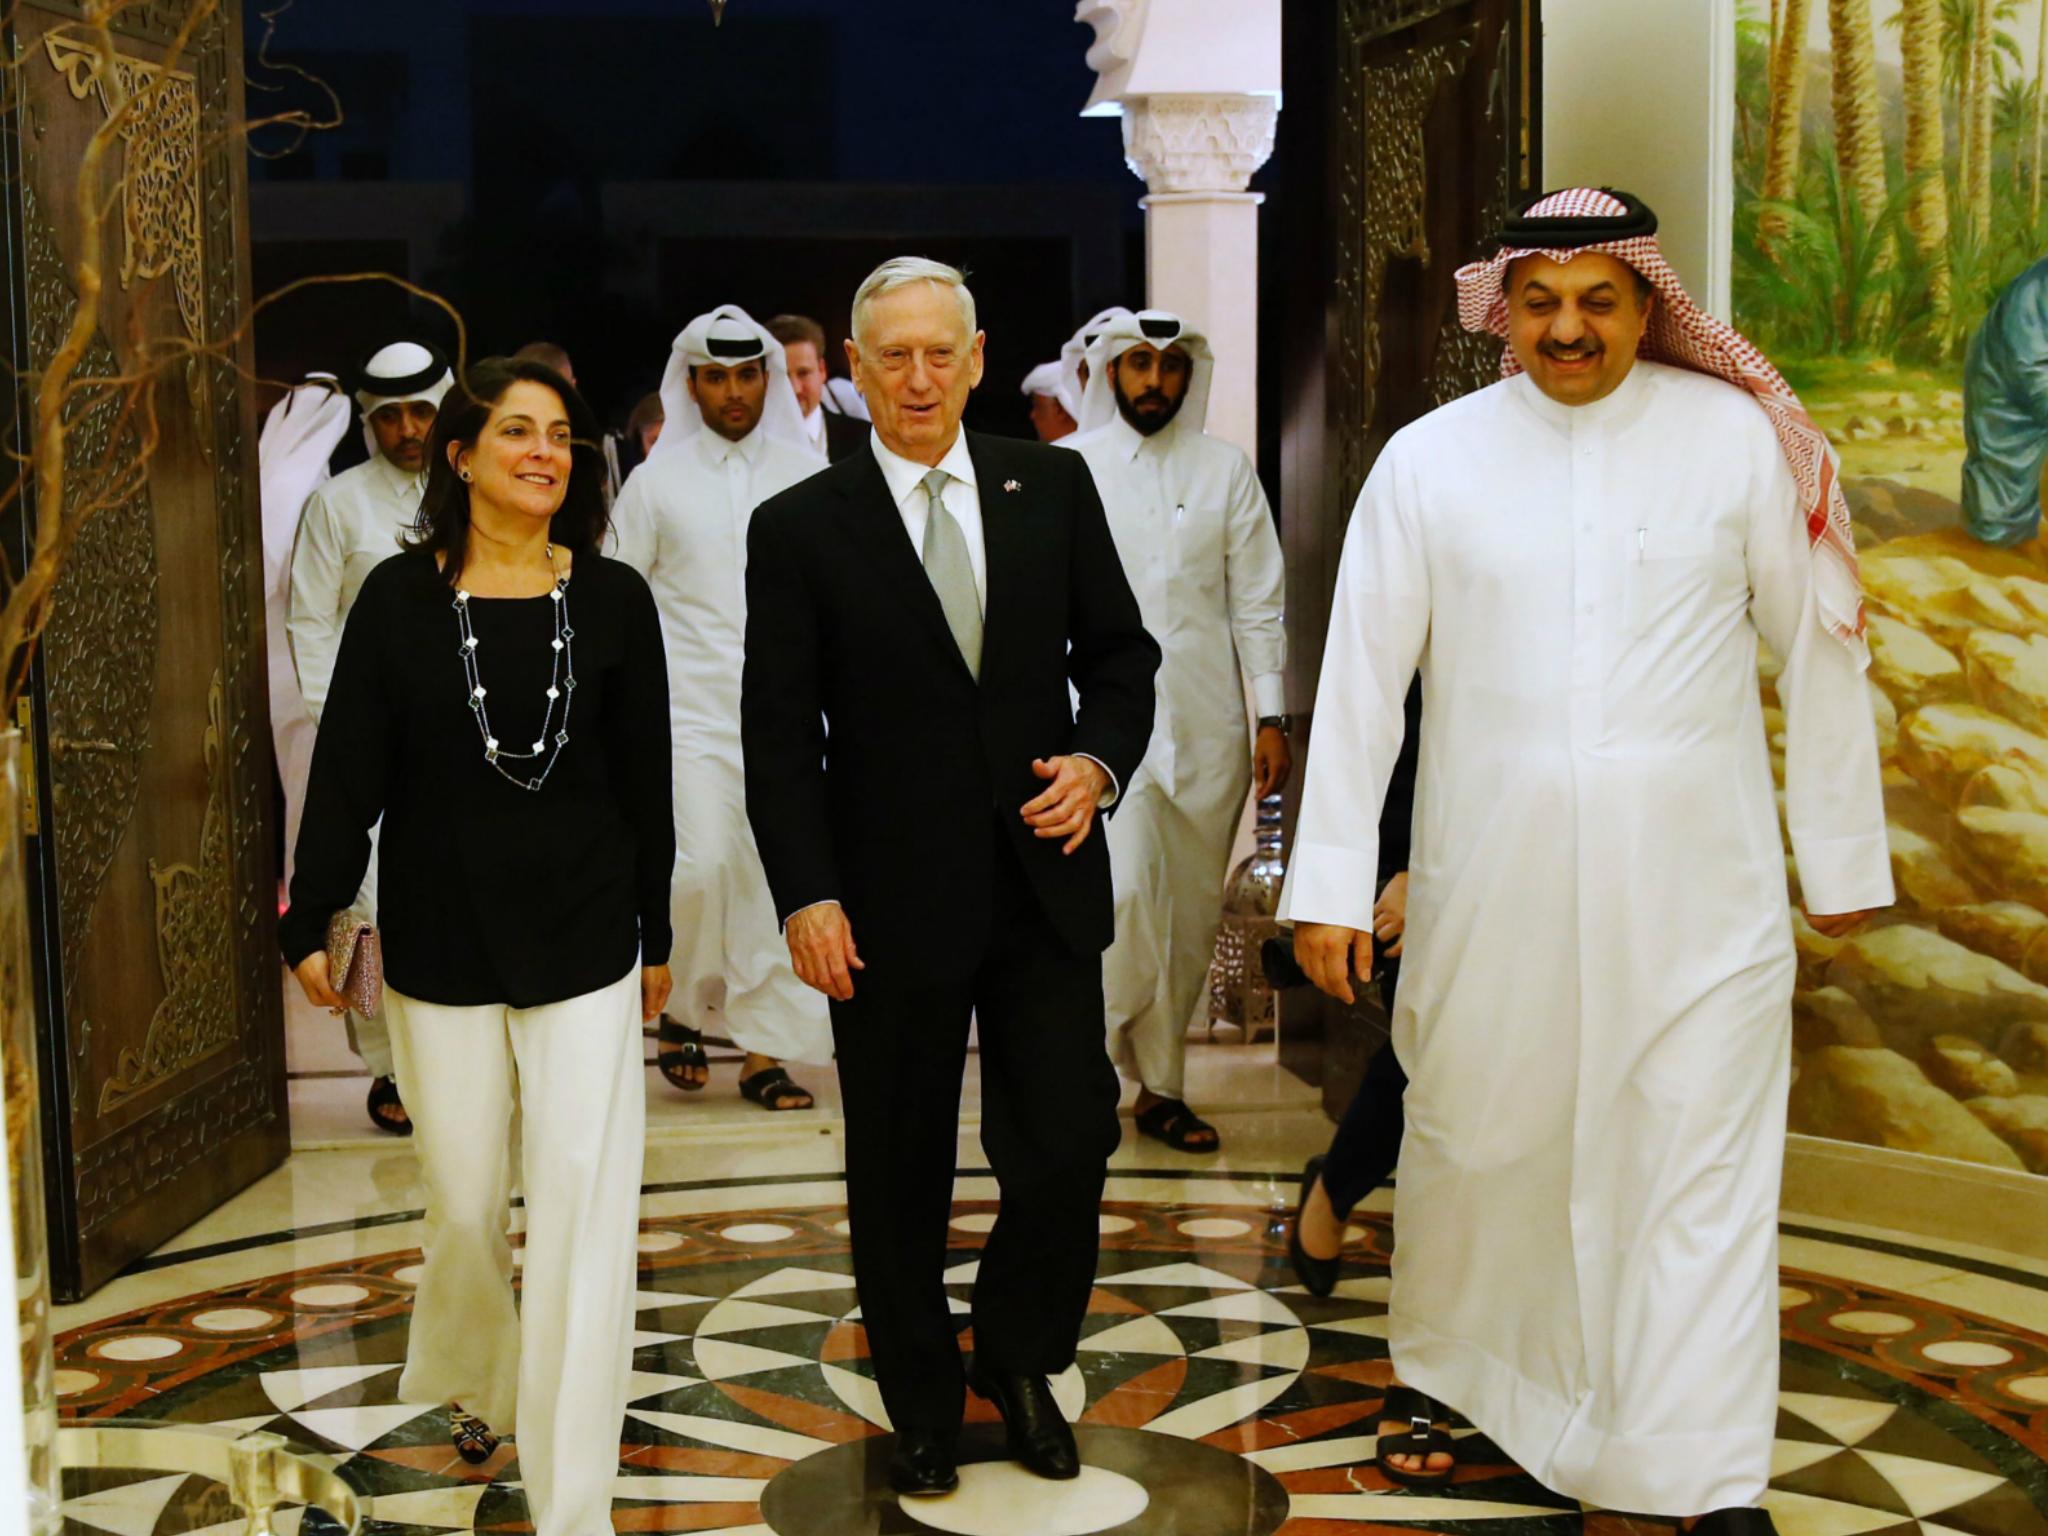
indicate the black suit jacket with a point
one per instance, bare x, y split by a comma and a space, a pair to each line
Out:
844, 435
875, 765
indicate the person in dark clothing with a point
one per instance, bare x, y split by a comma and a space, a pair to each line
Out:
917, 779
1368, 1139
500, 699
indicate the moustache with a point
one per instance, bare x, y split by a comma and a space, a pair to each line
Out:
1151, 399
1570, 354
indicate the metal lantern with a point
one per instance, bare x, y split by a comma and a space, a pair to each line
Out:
1238, 993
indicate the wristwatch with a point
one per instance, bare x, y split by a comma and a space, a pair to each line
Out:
1284, 724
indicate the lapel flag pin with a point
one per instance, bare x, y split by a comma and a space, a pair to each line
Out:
1013, 485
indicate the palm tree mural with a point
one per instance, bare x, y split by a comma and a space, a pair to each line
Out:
1787, 100
1891, 256
1859, 127
1977, 151
1926, 146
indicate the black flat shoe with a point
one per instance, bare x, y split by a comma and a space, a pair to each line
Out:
1317, 1276
1736, 1522
922, 1464
471, 1437
1039, 1435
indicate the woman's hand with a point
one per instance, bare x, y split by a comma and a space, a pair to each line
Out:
1390, 916
655, 986
318, 984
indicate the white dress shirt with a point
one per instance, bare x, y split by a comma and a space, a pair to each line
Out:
961, 496
814, 427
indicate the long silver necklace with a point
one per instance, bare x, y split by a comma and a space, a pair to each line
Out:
561, 689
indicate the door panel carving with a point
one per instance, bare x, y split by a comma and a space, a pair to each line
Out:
159, 975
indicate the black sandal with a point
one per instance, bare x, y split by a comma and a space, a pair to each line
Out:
1317, 1276
772, 1089
1171, 1121
384, 1100
1422, 1439
471, 1437
680, 1050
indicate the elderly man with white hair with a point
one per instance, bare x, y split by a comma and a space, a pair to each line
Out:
349, 526
732, 437
924, 796
1197, 540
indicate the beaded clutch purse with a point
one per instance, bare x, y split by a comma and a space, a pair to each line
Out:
355, 963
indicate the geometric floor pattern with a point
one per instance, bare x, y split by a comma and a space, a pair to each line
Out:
1213, 1398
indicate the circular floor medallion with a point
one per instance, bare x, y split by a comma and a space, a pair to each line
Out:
138, 1346
1135, 1483
996, 1497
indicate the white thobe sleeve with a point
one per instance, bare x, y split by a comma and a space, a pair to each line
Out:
634, 537
313, 616
1379, 622
1834, 795
1255, 579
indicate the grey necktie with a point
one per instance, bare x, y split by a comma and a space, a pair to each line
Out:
951, 572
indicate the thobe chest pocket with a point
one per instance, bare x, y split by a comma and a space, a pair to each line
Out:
1668, 569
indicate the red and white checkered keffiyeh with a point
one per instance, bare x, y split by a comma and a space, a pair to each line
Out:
1686, 336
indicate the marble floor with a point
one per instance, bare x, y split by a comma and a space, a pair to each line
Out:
1213, 1396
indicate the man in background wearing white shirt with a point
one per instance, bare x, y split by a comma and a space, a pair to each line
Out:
730, 439
349, 527
827, 427
1197, 541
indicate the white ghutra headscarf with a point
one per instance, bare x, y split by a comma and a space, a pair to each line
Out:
726, 337
1151, 327
397, 375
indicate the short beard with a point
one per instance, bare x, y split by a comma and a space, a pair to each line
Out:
1148, 425
718, 426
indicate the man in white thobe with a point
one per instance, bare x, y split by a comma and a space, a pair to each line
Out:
1074, 357
349, 527
732, 438
1050, 418
1595, 1003
299, 435
1196, 538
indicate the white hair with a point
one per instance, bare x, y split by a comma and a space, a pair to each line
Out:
902, 272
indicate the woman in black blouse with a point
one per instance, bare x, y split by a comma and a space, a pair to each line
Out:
501, 700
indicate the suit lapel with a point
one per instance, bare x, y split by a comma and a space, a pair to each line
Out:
881, 533
1004, 540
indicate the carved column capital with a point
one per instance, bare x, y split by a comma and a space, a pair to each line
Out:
1198, 143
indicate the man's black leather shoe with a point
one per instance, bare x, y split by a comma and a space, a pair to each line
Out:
1039, 1434
922, 1464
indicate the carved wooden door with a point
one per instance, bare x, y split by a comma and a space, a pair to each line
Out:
1409, 131
163, 1071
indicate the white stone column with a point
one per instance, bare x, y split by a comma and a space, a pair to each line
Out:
1196, 154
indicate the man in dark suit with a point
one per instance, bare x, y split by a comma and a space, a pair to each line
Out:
827, 427
924, 800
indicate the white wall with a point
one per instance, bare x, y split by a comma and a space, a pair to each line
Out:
1640, 94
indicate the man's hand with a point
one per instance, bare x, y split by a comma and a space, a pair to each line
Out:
1837, 925
655, 986
821, 949
1272, 761
1330, 954
318, 984
1067, 808
1390, 916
